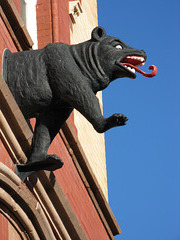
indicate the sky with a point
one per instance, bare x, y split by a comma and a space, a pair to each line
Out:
143, 157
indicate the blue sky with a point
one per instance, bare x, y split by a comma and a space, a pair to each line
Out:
143, 158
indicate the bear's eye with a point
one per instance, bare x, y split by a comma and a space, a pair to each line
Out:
118, 46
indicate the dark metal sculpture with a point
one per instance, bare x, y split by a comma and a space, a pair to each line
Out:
49, 83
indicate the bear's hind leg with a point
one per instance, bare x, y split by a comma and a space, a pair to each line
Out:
47, 126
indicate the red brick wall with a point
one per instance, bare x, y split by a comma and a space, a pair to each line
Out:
5, 158
44, 23
5, 41
77, 194
53, 22
64, 20
18, 5
3, 228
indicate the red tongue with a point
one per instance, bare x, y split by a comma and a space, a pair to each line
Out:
151, 74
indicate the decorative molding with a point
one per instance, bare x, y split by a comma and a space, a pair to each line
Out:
31, 19
15, 25
10, 30
20, 202
75, 9
41, 206
14, 118
87, 185
90, 181
49, 209
10, 141
61, 205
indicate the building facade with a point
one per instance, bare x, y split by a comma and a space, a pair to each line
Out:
72, 202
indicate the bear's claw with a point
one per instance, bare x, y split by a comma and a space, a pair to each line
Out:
120, 119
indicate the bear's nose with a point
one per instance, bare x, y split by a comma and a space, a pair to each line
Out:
144, 54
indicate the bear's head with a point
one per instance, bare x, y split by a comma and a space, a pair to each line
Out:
113, 54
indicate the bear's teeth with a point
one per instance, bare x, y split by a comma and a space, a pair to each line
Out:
131, 69
137, 58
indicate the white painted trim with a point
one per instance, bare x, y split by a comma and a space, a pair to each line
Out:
31, 20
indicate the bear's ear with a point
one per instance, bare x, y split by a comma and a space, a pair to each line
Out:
98, 33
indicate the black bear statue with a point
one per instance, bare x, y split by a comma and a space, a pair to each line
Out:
49, 83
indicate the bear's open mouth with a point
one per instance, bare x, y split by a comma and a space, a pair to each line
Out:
131, 63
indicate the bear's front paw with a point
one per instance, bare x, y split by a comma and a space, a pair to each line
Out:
119, 119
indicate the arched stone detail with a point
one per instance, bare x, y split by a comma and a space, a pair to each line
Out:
21, 208
12, 219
